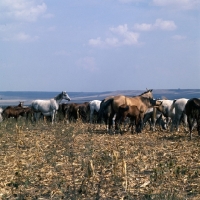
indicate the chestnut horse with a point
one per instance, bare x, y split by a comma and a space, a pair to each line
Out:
192, 110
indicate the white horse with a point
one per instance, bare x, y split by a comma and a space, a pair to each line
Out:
48, 107
94, 106
1, 118
174, 109
179, 106
166, 109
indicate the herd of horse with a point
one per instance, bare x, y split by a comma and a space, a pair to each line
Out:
138, 109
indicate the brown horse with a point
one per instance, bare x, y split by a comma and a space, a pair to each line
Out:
192, 110
133, 113
106, 109
143, 102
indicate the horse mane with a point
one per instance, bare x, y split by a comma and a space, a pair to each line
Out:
58, 96
146, 92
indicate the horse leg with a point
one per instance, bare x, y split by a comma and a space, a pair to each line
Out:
138, 124
91, 114
178, 121
153, 120
198, 125
110, 121
53, 116
141, 123
117, 123
189, 120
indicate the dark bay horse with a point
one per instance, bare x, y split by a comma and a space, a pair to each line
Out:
192, 110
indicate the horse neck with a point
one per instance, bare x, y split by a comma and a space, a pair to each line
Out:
58, 98
147, 95
146, 101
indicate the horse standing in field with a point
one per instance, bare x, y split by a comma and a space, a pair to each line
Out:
179, 106
48, 107
14, 111
133, 113
1, 118
153, 116
143, 102
93, 106
105, 111
192, 110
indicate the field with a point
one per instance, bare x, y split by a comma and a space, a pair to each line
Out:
82, 161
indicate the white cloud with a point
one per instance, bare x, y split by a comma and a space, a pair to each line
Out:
159, 24
165, 25
179, 37
143, 27
120, 36
87, 63
25, 10
21, 37
178, 4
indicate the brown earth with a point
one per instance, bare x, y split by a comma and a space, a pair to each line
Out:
82, 161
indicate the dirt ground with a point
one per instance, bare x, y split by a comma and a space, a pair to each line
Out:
82, 161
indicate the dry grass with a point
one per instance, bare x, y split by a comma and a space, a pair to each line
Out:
80, 161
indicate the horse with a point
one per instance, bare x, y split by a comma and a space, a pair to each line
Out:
106, 111
93, 105
154, 118
133, 113
1, 118
174, 109
143, 102
14, 111
48, 107
178, 105
77, 111
166, 109
192, 110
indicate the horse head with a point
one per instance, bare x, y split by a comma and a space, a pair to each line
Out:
65, 96
147, 94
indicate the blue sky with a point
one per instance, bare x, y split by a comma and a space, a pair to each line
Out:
99, 45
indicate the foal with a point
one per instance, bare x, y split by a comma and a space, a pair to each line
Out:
133, 113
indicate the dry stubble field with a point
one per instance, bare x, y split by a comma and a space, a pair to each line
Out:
81, 161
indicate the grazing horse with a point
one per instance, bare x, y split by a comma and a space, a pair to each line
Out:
166, 109
178, 105
48, 107
154, 118
14, 111
94, 106
192, 110
77, 111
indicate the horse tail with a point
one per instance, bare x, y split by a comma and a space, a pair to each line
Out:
172, 106
104, 105
123, 108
